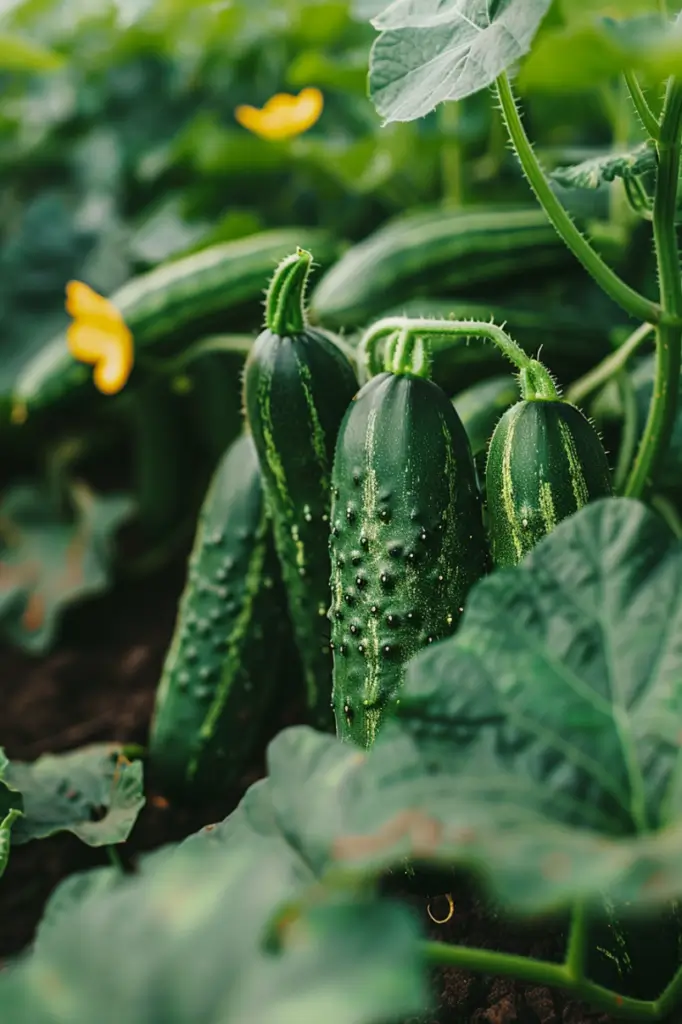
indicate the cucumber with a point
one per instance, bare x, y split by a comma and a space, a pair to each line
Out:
421, 250
168, 301
545, 461
218, 678
407, 540
297, 386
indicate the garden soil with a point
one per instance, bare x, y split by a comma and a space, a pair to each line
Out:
98, 684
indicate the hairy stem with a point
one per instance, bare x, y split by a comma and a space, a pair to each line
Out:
613, 363
639, 102
539, 972
630, 300
663, 406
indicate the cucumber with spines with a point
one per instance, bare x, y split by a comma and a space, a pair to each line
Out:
407, 540
297, 387
545, 461
219, 675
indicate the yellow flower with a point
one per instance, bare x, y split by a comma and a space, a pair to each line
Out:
100, 336
283, 116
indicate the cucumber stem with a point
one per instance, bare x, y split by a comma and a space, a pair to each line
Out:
285, 312
436, 335
639, 102
663, 407
609, 367
631, 301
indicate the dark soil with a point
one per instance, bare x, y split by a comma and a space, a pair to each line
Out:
99, 685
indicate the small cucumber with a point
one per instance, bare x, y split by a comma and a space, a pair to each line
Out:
420, 250
171, 301
297, 387
218, 678
407, 540
545, 461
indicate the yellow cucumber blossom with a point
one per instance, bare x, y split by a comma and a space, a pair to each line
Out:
99, 336
283, 116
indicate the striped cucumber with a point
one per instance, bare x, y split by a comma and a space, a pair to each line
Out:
218, 678
423, 250
170, 301
407, 540
545, 461
297, 386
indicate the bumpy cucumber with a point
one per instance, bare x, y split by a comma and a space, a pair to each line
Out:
219, 673
297, 386
407, 540
422, 250
545, 461
168, 300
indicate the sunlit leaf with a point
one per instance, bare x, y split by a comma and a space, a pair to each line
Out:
18, 54
95, 792
440, 50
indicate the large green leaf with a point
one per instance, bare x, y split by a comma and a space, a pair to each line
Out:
185, 944
541, 745
49, 562
592, 173
438, 50
94, 792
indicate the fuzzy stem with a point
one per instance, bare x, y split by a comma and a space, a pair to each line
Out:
285, 301
576, 950
540, 972
631, 301
440, 334
603, 372
663, 405
639, 102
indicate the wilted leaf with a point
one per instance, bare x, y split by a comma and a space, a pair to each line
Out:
95, 792
591, 173
185, 942
440, 50
48, 563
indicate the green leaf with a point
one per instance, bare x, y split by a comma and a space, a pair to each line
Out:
6, 824
542, 744
94, 792
591, 173
587, 53
18, 54
435, 51
184, 943
49, 562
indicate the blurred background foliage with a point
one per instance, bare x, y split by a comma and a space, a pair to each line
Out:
119, 150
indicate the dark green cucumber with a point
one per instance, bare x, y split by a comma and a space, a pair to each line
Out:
168, 301
297, 386
545, 461
425, 249
407, 540
218, 678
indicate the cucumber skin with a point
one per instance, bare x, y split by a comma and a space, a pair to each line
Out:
407, 541
429, 248
296, 392
218, 678
167, 300
545, 462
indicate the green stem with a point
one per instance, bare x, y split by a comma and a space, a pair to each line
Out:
451, 153
285, 301
639, 102
668, 512
663, 405
539, 972
670, 997
628, 437
576, 950
609, 367
631, 301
